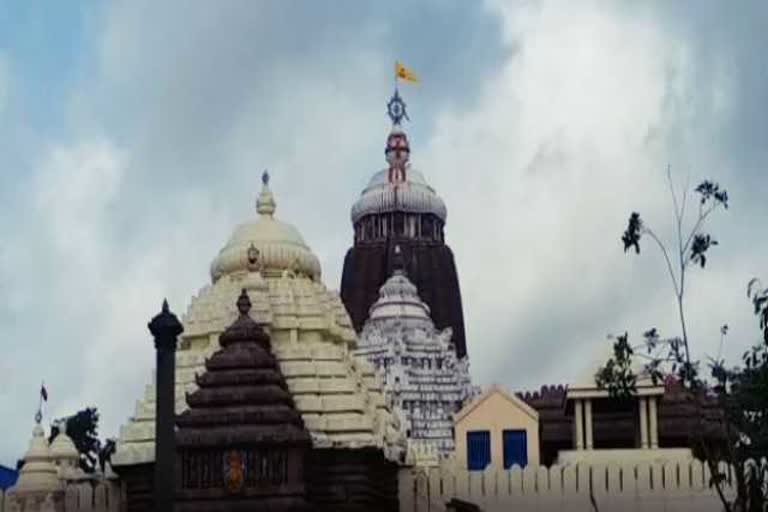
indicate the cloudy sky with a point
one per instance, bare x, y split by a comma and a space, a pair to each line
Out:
133, 135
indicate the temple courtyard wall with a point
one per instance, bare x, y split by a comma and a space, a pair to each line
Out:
630, 488
103, 496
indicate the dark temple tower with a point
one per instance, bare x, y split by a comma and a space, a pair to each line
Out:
399, 208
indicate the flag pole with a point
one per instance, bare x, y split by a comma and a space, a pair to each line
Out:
39, 415
395, 76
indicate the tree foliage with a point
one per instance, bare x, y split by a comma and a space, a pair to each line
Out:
742, 390
82, 428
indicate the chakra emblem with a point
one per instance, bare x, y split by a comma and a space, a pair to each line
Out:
234, 471
396, 109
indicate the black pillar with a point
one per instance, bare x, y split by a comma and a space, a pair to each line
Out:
165, 327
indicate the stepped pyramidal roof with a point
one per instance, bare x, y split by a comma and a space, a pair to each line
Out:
243, 397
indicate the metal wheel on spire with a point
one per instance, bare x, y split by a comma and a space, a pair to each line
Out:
396, 108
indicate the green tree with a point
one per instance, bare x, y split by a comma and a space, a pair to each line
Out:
82, 428
743, 391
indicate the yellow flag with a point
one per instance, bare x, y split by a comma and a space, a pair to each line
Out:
403, 73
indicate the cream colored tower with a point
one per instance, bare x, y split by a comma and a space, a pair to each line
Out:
38, 488
339, 396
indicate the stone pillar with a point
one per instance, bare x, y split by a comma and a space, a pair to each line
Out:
653, 421
589, 441
578, 421
165, 328
642, 404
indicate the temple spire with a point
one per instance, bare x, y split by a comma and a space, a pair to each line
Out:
265, 204
398, 150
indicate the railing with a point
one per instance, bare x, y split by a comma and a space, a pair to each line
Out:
643, 487
103, 496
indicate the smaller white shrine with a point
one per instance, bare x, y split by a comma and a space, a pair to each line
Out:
425, 381
38, 488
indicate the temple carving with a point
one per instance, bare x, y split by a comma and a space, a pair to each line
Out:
241, 444
427, 382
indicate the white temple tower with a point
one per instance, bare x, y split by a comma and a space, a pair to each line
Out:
422, 374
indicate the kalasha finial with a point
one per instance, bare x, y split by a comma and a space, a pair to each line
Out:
243, 303
265, 204
165, 328
396, 108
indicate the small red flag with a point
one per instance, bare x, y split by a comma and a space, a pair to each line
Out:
44, 393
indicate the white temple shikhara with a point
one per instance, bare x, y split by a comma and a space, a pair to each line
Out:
338, 396
422, 374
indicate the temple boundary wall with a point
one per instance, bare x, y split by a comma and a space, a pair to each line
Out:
103, 496
629, 488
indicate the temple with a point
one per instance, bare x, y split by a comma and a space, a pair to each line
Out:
274, 393
242, 414
399, 208
356, 441
425, 379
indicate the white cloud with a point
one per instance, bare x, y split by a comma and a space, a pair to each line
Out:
571, 135
540, 155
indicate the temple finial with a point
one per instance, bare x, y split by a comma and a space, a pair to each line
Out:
165, 327
265, 204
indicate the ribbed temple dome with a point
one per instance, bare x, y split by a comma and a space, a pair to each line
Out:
39, 474
413, 194
398, 297
266, 244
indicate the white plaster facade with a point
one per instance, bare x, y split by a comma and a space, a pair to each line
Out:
38, 488
340, 398
421, 373
495, 411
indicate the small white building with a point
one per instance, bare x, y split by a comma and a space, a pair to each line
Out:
425, 380
496, 429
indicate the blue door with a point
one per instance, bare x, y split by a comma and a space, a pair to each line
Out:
478, 450
515, 448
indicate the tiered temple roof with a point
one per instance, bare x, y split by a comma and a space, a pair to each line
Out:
241, 417
242, 396
38, 486
340, 399
422, 374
